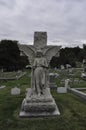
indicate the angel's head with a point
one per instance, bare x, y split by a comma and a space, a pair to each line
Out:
39, 53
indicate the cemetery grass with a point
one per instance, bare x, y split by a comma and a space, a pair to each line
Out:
72, 108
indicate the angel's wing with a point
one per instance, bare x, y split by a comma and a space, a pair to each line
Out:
29, 51
51, 51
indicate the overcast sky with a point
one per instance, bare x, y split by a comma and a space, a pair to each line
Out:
64, 20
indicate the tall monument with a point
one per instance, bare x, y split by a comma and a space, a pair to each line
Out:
39, 101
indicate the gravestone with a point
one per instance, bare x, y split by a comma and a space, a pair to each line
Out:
83, 74
39, 101
62, 67
62, 81
15, 91
67, 83
64, 89
76, 80
68, 66
52, 78
70, 70
3, 86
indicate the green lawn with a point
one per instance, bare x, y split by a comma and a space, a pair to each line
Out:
72, 108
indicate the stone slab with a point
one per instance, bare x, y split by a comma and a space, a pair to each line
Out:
39, 106
78, 93
15, 91
62, 90
3, 86
24, 114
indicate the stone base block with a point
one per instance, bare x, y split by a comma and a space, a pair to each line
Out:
39, 106
24, 114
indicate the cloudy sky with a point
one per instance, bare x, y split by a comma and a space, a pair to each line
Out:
64, 20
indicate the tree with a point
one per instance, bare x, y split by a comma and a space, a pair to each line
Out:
10, 55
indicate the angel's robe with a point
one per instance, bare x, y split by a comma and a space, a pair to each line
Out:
39, 74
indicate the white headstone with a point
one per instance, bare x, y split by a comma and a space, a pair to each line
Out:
70, 70
15, 91
3, 86
83, 75
68, 66
62, 90
52, 77
67, 83
62, 67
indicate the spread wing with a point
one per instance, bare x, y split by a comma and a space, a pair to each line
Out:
51, 51
29, 51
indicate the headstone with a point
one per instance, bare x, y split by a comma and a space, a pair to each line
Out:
64, 89
70, 70
67, 83
76, 80
68, 66
2, 70
52, 78
83, 74
62, 67
3, 86
62, 81
56, 75
15, 91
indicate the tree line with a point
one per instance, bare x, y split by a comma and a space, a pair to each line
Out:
70, 56
10, 58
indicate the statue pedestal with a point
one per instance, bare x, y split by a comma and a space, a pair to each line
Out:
39, 106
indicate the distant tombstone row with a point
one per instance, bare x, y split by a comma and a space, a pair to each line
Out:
67, 66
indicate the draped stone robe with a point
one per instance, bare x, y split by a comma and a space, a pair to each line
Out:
39, 75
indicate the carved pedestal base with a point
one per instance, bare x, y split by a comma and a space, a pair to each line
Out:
39, 106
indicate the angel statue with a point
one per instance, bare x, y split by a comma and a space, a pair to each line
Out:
39, 73
38, 100
39, 59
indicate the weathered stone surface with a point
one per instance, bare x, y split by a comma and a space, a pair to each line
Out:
15, 91
78, 93
62, 90
3, 86
38, 100
34, 106
52, 78
40, 39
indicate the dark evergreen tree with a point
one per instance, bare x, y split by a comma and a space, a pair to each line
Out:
10, 58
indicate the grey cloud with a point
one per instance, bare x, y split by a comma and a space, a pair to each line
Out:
62, 19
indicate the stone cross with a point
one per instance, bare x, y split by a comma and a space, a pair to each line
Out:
40, 39
40, 42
